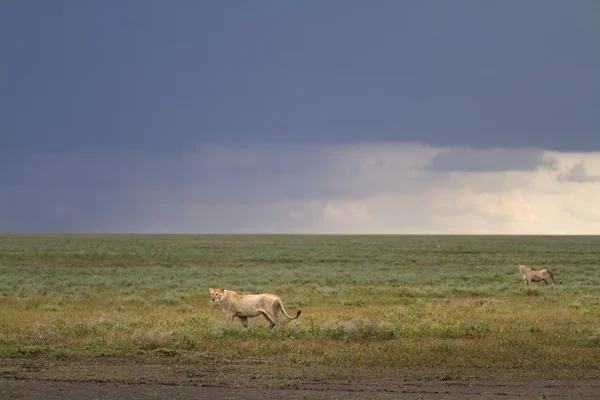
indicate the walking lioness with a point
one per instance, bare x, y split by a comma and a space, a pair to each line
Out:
531, 275
245, 306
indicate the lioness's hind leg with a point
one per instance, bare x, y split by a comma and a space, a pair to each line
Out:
268, 318
277, 321
244, 321
275, 316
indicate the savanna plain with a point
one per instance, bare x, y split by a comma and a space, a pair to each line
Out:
129, 316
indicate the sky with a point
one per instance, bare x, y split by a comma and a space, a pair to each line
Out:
263, 116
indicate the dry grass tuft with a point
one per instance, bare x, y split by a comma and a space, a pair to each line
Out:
152, 339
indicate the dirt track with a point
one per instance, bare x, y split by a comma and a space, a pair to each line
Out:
25, 389
28, 379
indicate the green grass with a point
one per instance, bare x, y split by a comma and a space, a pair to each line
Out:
400, 301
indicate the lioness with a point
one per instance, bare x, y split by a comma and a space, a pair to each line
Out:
531, 275
244, 306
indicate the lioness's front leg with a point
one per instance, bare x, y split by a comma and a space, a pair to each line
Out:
230, 316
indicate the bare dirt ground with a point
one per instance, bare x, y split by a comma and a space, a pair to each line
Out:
28, 379
30, 389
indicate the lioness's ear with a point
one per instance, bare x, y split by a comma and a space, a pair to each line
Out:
221, 288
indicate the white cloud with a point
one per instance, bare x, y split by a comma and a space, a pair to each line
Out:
367, 188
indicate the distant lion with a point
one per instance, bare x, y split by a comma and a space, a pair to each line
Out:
245, 306
532, 275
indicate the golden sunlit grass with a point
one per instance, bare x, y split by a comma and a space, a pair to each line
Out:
366, 301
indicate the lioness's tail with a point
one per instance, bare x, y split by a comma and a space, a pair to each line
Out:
286, 314
552, 277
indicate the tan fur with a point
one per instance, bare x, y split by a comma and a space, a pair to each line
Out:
245, 306
531, 275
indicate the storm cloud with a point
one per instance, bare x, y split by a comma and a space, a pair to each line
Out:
370, 188
578, 173
491, 160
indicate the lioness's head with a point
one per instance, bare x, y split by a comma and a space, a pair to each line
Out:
216, 295
522, 267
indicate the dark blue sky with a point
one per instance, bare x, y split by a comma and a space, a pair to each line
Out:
297, 116
169, 75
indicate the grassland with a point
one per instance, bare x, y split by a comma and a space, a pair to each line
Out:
408, 302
